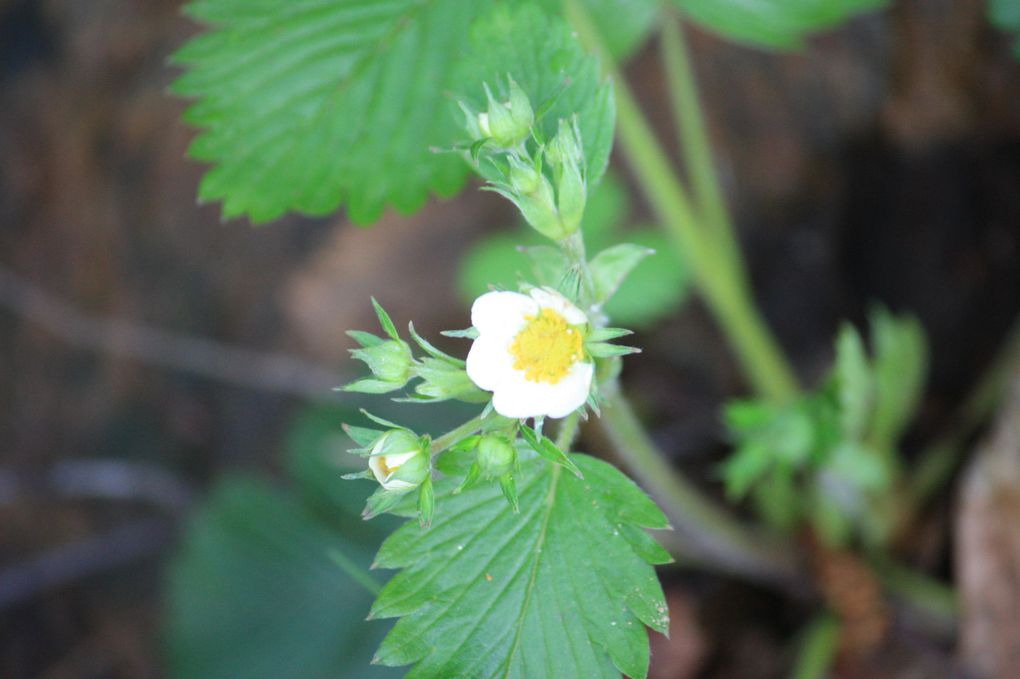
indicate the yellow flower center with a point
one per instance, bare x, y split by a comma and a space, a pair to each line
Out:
547, 347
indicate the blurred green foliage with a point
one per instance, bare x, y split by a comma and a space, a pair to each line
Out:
274, 582
830, 457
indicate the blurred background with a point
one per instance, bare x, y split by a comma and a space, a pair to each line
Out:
151, 354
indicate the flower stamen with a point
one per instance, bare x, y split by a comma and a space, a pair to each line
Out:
546, 348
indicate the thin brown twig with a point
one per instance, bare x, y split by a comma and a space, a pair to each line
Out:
258, 370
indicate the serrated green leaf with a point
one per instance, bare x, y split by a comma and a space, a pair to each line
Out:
558, 590
262, 588
625, 24
782, 24
308, 103
546, 59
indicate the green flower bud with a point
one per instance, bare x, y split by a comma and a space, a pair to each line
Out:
399, 460
496, 456
507, 123
565, 147
533, 194
571, 197
389, 361
472, 121
564, 153
442, 380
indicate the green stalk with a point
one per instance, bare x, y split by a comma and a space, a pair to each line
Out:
720, 275
691, 129
817, 648
568, 431
705, 531
449, 438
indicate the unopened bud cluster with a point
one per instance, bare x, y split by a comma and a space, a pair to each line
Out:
551, 202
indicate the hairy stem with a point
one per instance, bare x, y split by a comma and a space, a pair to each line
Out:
568, 431
720, 275
708, 533
449, 438
691, 129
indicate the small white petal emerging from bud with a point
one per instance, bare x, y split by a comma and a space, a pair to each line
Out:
398, 461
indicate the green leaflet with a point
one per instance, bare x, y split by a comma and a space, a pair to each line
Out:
264, 589
563, 589
777, 24
305, 105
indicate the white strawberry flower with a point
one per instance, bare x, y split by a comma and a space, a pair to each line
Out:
530, 353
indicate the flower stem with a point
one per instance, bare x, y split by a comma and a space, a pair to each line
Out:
456, 434
817, 648
708, 533
568, 432
719, 273
691, 129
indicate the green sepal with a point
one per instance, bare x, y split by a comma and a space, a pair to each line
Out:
426, 503
365, 339
385, 321
363, 436
431, 350
509, 487
467, 333
379, 420
364, 474
367, 385
604, 350
608, 334
443, 380
474, 473
380, 502
547, 449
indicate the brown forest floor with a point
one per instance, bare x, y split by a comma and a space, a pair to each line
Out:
881, 165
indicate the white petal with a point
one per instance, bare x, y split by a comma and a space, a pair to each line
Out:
391, 462
502, 312
489, 361
375, 464
394, 461
550, 299
518, 397
396, 484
